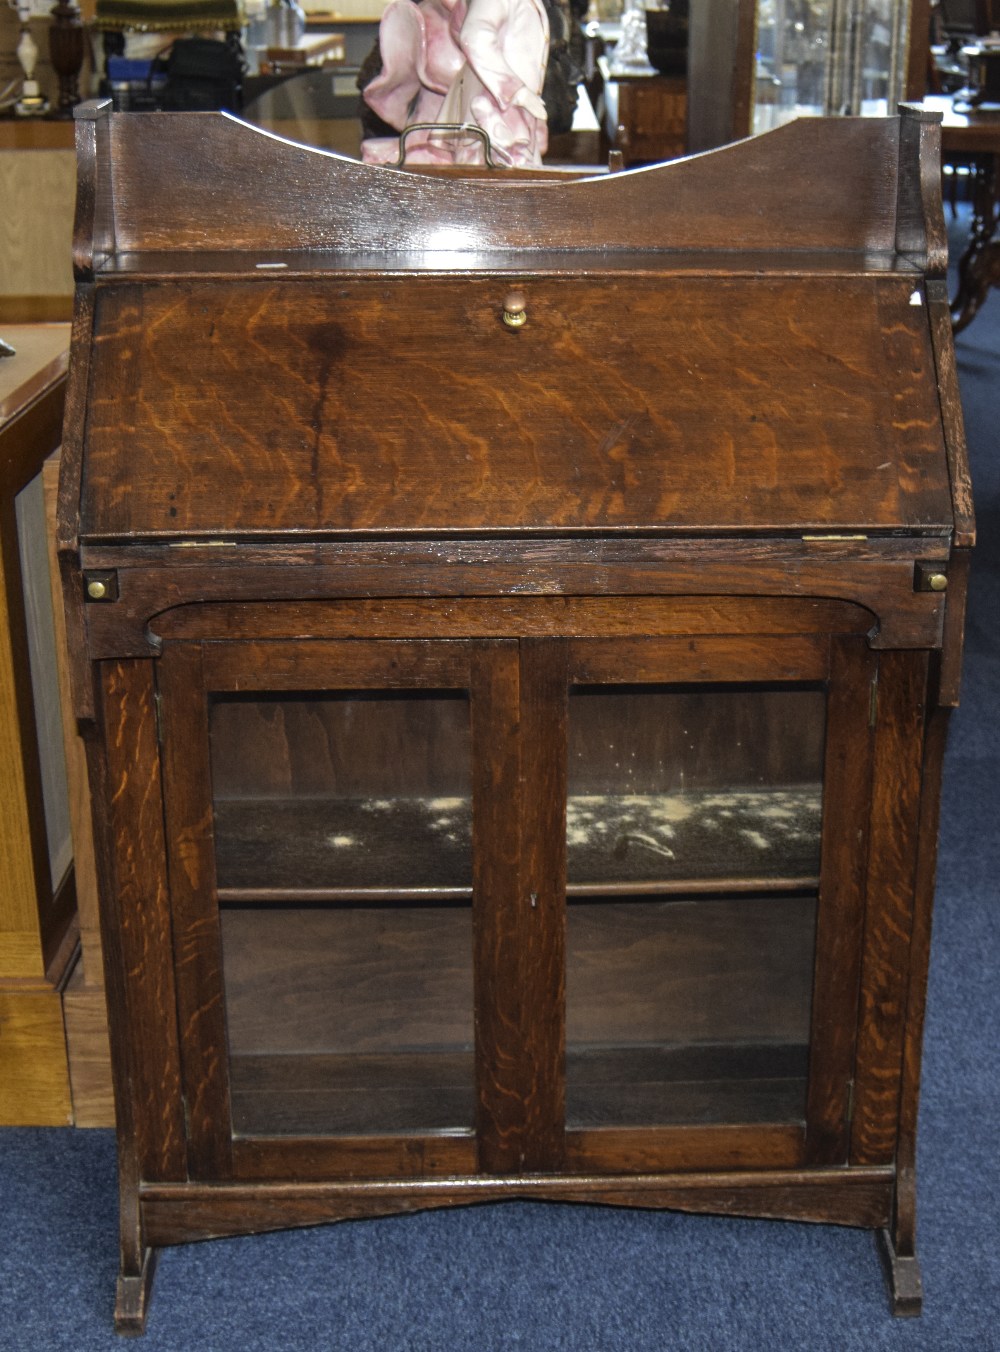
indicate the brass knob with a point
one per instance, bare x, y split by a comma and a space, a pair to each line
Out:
938, 581
514, 304
97, 590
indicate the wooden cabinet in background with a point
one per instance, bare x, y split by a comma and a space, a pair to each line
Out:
650, 116
54, 1060
515, 627
38, 932
37, 187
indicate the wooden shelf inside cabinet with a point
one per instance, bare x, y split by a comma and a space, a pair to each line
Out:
322, 849
515, 745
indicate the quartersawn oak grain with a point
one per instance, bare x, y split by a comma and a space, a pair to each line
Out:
595, 417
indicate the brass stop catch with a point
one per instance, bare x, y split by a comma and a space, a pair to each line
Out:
930, 576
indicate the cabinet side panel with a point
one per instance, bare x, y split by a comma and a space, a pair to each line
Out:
135, 918
895, 822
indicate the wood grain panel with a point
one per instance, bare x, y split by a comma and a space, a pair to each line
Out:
576, 422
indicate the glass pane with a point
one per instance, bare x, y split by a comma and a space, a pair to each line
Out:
693, 841
32, 541
352, 793
672, 785
828, 57
793, 60
349, 1020
688, 1011
343, 850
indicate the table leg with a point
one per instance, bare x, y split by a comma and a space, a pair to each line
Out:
979, 265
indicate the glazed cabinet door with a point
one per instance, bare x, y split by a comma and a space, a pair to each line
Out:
715, 834
515, 906
337, 812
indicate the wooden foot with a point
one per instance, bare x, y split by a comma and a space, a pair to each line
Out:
902, 1274
132, 1300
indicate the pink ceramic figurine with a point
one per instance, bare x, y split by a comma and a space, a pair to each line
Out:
462, 61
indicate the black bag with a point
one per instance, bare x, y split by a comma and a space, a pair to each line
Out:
201, 75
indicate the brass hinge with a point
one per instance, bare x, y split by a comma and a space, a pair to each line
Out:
201, 544
850, 1101
873, 702
158, 715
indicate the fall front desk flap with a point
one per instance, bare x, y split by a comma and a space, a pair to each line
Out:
403, 405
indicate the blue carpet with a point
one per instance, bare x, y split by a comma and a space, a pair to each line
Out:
586, 1279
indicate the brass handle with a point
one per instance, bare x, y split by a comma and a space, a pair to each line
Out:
514, 310
460, 127
938, 582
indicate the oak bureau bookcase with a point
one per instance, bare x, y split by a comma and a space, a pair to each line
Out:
515, 620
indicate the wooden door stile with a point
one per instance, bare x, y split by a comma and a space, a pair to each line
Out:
517, 1070
542, 900
196, 931
840, 913
889, 909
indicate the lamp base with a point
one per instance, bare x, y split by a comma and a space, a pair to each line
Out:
32, 102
